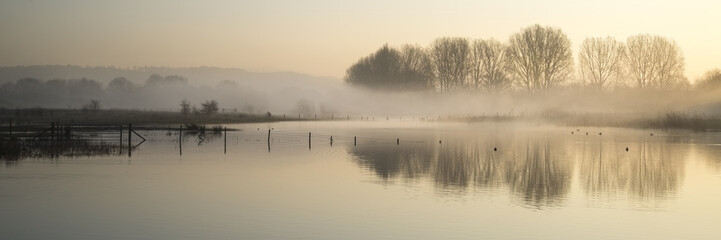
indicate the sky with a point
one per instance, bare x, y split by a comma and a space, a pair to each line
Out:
321, 37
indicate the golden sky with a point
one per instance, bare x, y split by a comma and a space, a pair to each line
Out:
320, 37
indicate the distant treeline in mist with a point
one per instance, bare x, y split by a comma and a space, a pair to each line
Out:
535, 59
254, 93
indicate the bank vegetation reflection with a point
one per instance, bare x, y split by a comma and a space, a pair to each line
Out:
537, 171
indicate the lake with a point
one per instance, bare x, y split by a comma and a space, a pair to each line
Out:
398, 179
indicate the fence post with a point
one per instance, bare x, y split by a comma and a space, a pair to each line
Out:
120, 130
130, 136
180, 139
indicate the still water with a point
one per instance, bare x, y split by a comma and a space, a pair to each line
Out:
396, 180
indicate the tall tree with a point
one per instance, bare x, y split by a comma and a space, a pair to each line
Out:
416, 68
487, 68
539, 57
450, 62
391, 69
655, 62
600, 61
379, 70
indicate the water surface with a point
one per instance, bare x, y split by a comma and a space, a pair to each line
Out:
397, 180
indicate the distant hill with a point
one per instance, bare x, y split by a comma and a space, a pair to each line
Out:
198, 76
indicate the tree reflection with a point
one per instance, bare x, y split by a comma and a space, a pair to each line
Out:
538, 170
649, 173
541, 174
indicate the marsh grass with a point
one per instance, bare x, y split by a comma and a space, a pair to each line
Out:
15, 149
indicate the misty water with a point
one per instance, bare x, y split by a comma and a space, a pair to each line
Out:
398, 179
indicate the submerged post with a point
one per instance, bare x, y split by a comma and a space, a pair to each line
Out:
225, 139
354, 140
398, 141
308, 140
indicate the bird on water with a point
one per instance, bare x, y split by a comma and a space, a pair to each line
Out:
495, 149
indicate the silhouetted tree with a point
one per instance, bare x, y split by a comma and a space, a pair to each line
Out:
121, 85
449, 56
540, 57
655, 62
488, 69
209, 107
600, 61
375, 71
92, 106
185, 107
390, 69
416, 68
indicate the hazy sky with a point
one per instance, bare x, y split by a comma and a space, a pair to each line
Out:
320, 37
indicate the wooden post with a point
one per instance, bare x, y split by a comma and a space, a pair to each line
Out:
52, 139
130, 137
354, 140
398, 141
120, 130
331, 141
180, 139
308, 140
225, 139
269, 136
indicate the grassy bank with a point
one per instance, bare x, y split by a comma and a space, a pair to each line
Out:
670, 120
69, 116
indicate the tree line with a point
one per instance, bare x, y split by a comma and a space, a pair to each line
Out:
535, 59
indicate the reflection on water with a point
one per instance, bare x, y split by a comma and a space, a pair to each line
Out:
650, 173
537, 169
443, 176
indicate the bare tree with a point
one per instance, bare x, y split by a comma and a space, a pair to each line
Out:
416, 68
539, 57
600, 61
488, 65
185, 107
92, 106
304, 107
710, 81
449, 56
209, 107
654, 62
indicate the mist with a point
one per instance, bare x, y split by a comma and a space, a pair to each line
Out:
296, 94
